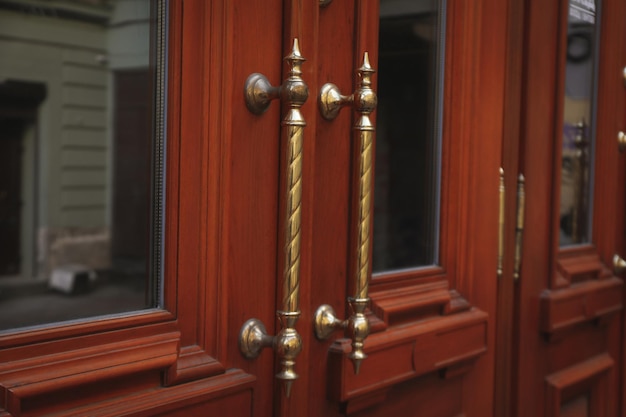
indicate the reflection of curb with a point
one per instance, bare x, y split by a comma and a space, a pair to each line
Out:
72, 279
18, 287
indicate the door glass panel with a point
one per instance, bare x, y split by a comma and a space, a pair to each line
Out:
578, 132
82, 148
408, 139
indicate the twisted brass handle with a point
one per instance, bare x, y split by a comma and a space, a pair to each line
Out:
364, 100
253, 337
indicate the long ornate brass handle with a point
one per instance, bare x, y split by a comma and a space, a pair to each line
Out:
364, 100
519, 225
501, 223
253, 336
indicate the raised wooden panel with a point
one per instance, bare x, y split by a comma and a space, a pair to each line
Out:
578, 407
580, 303
37, 376
228, 395
426, 396
410, 303
406, 352
567, 385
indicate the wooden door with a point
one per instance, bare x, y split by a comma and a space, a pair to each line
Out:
230, 205
560, 336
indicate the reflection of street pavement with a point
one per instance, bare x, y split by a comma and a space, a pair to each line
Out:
34, 304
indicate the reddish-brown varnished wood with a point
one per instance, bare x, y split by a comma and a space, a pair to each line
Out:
448, 339
505, 324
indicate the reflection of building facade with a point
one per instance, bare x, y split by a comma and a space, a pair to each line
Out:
86, 60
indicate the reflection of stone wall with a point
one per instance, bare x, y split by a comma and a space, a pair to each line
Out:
70, 246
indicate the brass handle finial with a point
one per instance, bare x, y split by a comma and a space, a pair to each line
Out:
253, 337
330, 103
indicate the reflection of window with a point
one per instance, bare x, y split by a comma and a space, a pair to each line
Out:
87, 175
577, 147
406, 206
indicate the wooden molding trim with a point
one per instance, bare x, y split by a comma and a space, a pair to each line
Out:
416, 302
192, 363
45, 374
589, 377
404, 352
577, 266
213, 395
580, 303
400, 304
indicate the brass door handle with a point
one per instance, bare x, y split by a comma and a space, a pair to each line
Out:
364, 101
253, 337
519, 225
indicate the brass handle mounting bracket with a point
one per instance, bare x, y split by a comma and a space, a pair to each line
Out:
253, 337
621, 141
619, 264
357, 326
364, 101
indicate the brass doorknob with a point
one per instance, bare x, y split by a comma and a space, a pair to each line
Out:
619, 264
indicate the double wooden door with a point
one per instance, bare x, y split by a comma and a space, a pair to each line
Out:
279, 202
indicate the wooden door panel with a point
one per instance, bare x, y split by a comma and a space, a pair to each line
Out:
580, 390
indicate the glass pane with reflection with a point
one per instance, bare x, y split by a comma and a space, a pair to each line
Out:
406, 205
578, 132
81, 180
